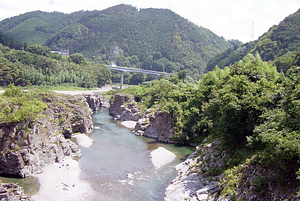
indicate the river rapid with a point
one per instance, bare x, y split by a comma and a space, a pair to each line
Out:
117, 166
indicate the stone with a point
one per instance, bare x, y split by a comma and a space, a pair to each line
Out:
190, 182
157, 125
11, 191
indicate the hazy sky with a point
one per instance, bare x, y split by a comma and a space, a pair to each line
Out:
232, 19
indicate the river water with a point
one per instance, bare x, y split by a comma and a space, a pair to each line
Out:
118, 166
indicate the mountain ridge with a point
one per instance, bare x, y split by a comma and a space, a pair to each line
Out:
148, 34
279, 41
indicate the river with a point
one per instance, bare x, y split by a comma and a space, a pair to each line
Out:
118, 165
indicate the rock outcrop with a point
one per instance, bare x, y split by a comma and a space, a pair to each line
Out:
158, 125
196, 180
26, 147
11, 191
202, 177
155, 124
124, 108
97, 101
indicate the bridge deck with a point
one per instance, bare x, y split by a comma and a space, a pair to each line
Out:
136, 70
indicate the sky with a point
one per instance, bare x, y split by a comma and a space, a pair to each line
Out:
244, 20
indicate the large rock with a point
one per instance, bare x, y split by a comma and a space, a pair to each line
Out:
160, 125
97, 101
194, 180
154, 124
11, 191
124, 108
26, 147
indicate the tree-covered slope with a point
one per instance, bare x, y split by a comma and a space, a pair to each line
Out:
252, 110
280, 40
37, 66
157, 39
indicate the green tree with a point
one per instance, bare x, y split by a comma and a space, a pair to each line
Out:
77, 58
38, 49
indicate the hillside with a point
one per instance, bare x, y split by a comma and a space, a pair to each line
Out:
277, 44
244, 120
37, 66
10, 42
156, 39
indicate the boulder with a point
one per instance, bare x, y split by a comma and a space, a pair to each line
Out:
11, 191
193, 181
161, 127
124, 108
154, 124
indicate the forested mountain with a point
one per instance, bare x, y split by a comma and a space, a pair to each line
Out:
279, 45
156, 39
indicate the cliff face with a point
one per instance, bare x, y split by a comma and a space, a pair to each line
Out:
97, 101
154, 124
26, 147
124, 108
158, 125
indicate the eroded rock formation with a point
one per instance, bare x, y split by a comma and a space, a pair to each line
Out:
26, 147
97, 101
124, 108
154, 124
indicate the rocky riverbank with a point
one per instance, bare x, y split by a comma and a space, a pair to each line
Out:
11, 191
195, 180
26, 147
154, 124
205, 175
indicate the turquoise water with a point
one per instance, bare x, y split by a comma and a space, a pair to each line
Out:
118, 164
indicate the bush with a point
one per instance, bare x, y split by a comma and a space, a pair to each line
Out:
17, 105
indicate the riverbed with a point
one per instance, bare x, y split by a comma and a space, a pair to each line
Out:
116, 165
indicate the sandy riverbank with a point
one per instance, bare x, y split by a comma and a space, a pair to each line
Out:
161, 157
83, 140
61, 181
129, 124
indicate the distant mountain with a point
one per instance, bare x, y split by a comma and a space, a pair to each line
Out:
10, 42
281, 40
156, 39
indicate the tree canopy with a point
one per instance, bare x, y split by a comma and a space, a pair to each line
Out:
248, 106
38, 66
277, 44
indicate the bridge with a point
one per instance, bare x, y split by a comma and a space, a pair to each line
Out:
135, 70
